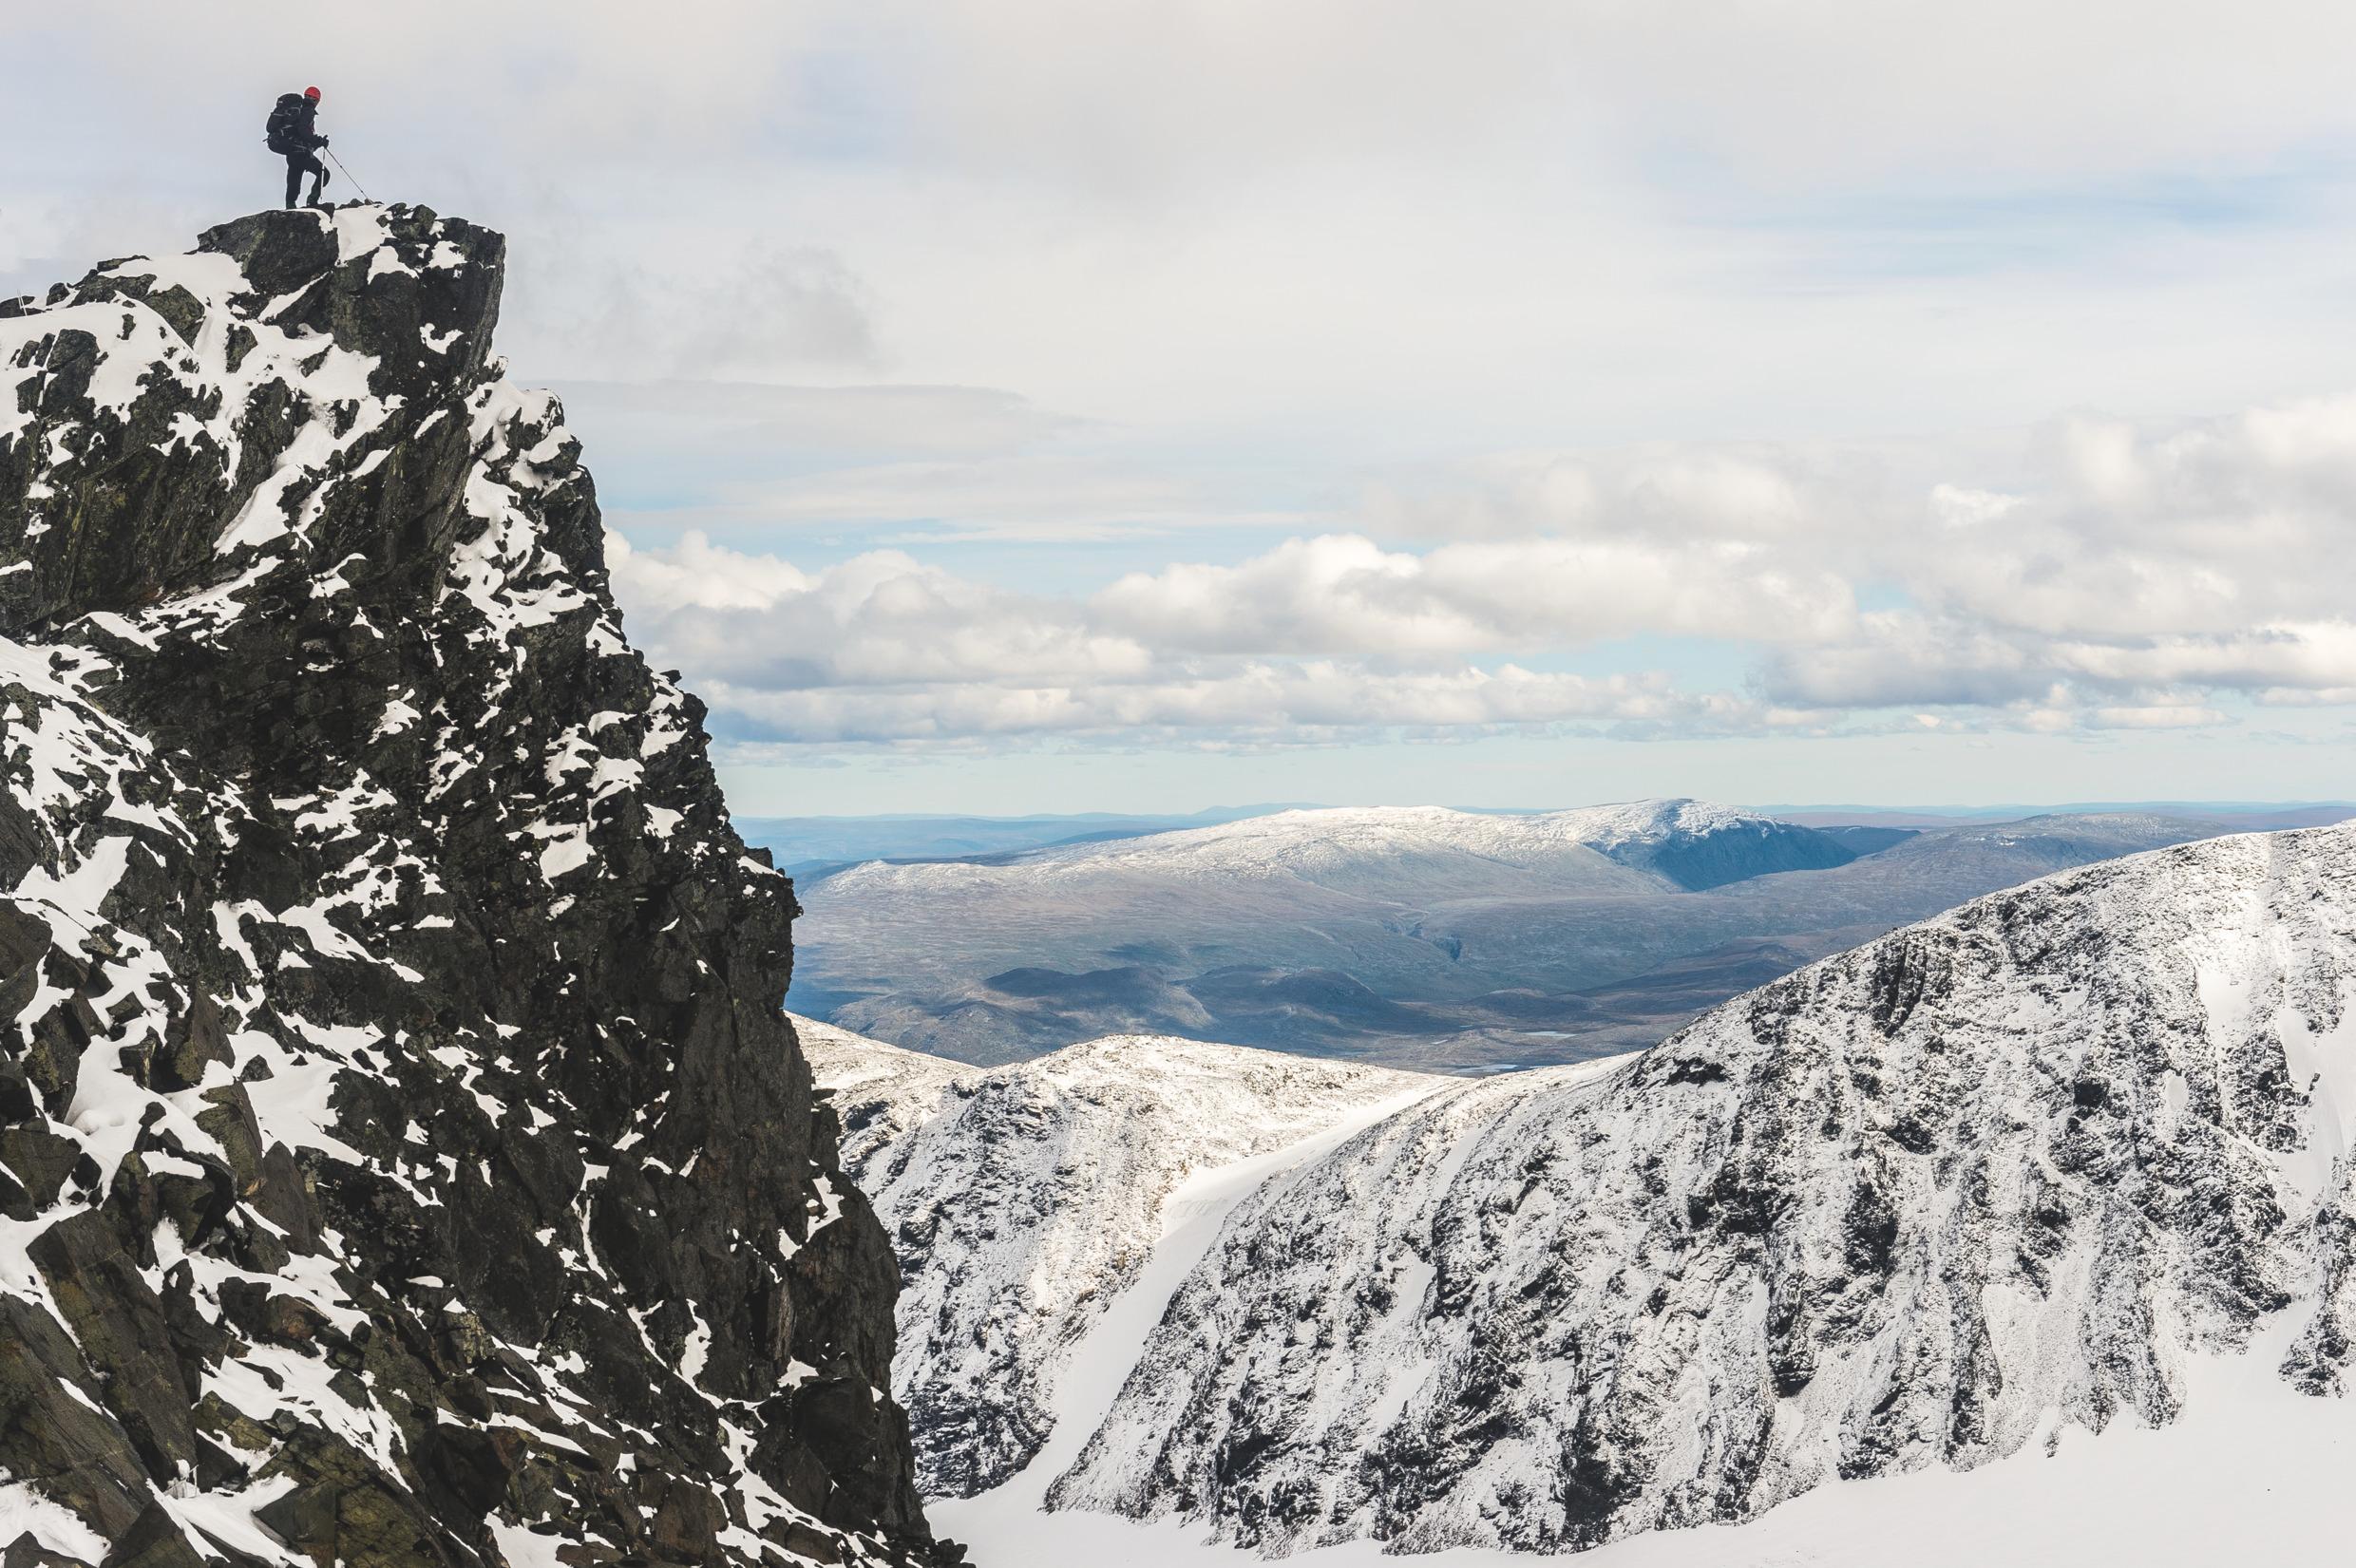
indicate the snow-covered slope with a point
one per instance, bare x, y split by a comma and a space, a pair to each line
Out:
881, 1093
2251, 1474
1024, 1199
1978, 1188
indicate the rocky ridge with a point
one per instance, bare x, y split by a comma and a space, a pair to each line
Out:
402, 1158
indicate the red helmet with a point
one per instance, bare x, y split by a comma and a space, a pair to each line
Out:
312, 94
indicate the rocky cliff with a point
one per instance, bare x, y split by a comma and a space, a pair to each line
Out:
402, 1158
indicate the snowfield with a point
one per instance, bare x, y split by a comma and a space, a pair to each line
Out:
2256, 1475
2022, 1235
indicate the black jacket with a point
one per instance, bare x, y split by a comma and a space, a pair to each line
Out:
294, 125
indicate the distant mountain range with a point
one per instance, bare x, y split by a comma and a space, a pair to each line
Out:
812, 848
1413, 937
2240, 816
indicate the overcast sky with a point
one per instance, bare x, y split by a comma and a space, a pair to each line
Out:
1061, 404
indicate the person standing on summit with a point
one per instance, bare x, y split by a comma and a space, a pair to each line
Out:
293, 134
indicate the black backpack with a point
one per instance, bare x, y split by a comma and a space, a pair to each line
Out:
286, 119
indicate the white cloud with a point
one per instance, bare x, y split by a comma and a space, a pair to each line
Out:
839, 426
1653, 492
2183, 530
1908, 659
1127, 90
695, 576
2158, 716
2124, 577
882, 648
769, 311
2313, 657
1022, 496
1174, 86
1342, 593
1450, 227
1235, 259
754, 623
1316, 702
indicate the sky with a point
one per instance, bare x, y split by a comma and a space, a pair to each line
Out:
1088, 405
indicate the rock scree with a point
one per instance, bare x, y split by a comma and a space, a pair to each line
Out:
404, 1158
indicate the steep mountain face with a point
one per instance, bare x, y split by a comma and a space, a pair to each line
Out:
1413, 937
1024, 1199
1975, 1186
402, 1158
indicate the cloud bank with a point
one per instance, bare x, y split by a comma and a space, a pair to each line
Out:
2136, 577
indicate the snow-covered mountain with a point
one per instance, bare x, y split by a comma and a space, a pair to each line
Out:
1994, 1182
1414, 936
1426, 851
1024, 1199
2072, 1159
402, 1158
881, 1093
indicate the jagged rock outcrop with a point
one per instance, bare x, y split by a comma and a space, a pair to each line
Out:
1992, 1180
402, 1158
1025, 1198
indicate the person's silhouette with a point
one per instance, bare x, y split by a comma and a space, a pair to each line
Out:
294, 135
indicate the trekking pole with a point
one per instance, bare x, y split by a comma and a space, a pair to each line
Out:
346, 173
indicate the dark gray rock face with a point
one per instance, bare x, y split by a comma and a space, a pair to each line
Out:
402, 1158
